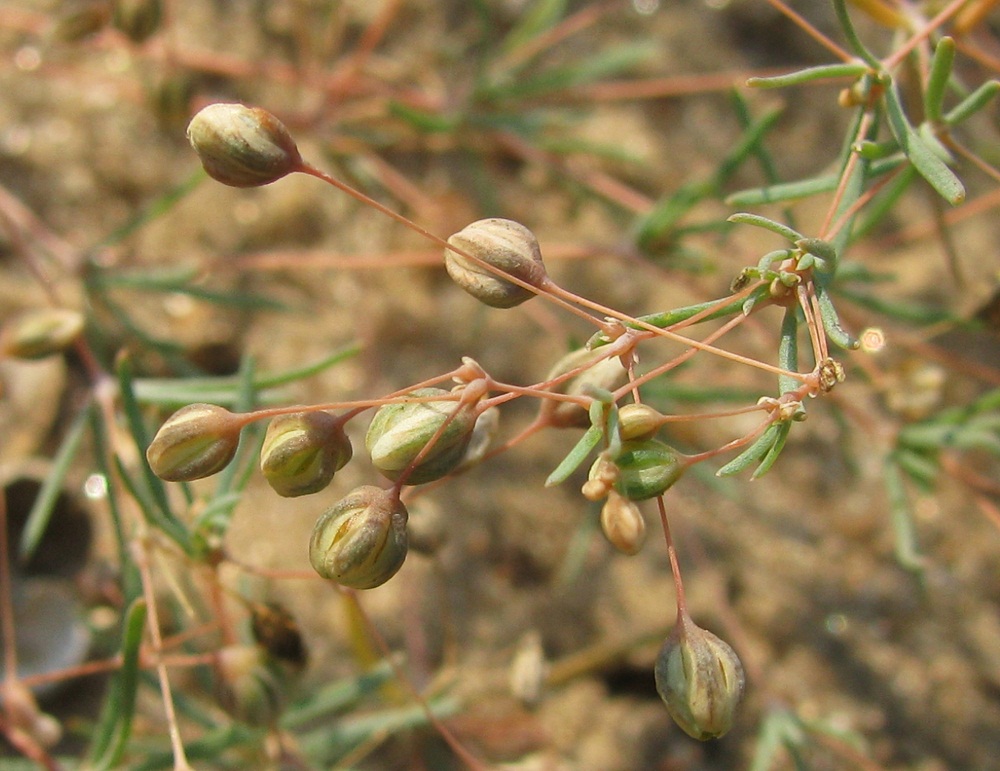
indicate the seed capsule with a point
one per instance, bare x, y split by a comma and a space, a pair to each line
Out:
361, 541
700, 679
243, 146
196, 441
646, 468
623, 524
506, 245
399, 432
302, 451
247, 685
40, 333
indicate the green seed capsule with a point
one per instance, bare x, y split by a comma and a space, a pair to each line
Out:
646, 468
399, 432
361, 541
302, 451
700, 679
196, 441
243, 146
506, 245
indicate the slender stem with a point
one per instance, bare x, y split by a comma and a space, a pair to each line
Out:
141, 557
675, 567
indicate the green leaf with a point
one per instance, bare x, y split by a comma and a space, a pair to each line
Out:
532, 22
852, 36
424, 121
744, 218
665, 319
973, 103
937, 81
115, 724
831, 322
45, 501
784, 427
753, 453
811, 74
907, 549
590, 439
788, 350
921, 154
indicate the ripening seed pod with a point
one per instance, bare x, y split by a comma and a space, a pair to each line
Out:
646, 468
41, 332
138, 20
700, 679
243, 146
302, 451
638, 421
602, 373
361, 541
399, 432
622, 524
247, 685
196, 441
506, 245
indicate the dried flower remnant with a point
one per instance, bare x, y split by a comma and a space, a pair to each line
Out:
243, 146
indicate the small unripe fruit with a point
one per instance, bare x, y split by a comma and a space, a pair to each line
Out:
361, 541
196, 441
506, 245
302, 451
638, 421
40, 333
243, 146
700, 679
622, 524
399, 432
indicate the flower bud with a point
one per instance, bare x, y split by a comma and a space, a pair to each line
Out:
137, 19
242, 146
302, 451
196, 441
506, 245
623, 524
361, 541
399, 432
41, 332
646, 468
247, 685
638, 421
700, 679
